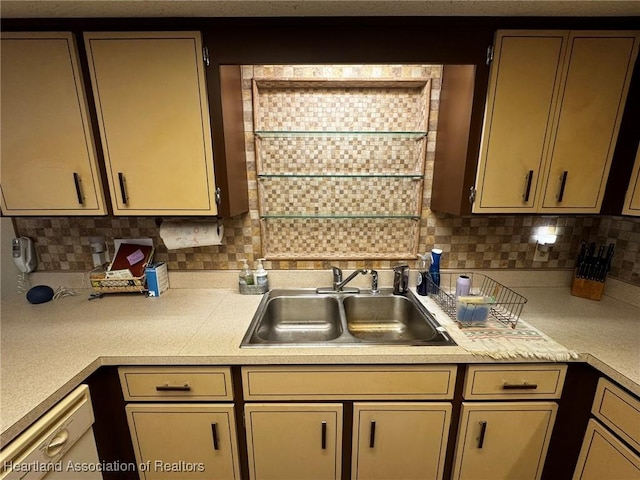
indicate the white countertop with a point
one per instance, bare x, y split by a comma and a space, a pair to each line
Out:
47, 349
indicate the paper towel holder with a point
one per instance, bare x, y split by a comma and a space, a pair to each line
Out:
159, 220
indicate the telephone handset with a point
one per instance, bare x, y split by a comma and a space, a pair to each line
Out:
24, 254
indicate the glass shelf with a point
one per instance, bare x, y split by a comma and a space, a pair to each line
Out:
315, 133
329, 216
341, 175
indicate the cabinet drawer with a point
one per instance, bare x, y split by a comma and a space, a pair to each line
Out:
497, 382
349, 382
619, 411
176, 383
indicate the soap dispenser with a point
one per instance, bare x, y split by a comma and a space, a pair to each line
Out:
245, 277
260, 276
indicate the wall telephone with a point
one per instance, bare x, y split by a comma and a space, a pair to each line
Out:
24, 254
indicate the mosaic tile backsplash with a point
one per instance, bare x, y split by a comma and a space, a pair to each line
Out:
334, 214
500, 241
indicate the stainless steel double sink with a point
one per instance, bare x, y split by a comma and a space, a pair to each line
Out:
306, 318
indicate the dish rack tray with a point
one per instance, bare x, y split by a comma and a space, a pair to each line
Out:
506, 308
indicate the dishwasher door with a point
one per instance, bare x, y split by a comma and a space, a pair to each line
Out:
58, 446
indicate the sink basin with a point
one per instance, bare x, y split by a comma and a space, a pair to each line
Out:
290, 319
306, 318
386, 319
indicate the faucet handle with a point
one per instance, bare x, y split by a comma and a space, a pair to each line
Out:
374, 281
400, 279
337, 274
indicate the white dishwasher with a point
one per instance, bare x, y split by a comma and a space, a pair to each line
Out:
58, 446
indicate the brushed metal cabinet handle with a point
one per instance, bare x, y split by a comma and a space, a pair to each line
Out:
214, 434
123, 188
76, 181
372, 435
563, 183
483, 431
324, 436
173, 388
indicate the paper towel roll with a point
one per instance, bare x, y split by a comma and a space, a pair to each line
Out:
185, 234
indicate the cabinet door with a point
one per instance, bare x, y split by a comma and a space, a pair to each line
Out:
153, 114
503, 440
294, 441
595, 82
523, 85
184, 441
48, 157
400, 440
632, 199
604, 456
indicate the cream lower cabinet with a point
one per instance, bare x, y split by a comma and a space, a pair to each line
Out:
401, 419
178, 430
611, 446
184, 441
604, 456
632, 198
294, 441
399, 440
505, 441
48, 160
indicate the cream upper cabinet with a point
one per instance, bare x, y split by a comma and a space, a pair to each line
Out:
48, 160
153, 114
294, 441
525, 75
632, 199
552, 117
400, 440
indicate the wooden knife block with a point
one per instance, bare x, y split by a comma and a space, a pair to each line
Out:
591, 289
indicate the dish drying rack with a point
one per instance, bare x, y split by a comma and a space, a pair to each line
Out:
506, 308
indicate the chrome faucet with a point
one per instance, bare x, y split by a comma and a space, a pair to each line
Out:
339, 283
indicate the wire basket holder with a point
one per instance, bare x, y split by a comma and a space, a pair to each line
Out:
505, 306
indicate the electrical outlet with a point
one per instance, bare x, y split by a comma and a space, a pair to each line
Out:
540, 255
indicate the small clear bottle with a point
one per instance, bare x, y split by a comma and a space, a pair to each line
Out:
422, 285
245, 277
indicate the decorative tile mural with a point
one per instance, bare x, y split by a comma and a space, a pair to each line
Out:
498, 241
